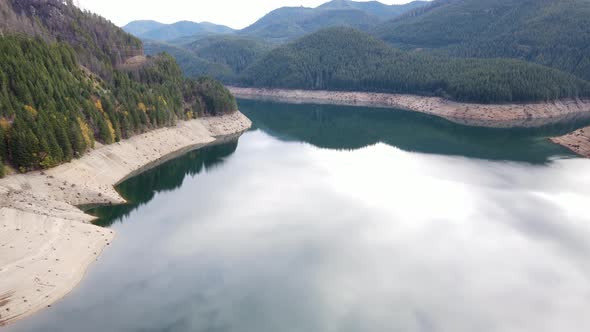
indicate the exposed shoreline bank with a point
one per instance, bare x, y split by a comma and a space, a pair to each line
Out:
47, 243
485, 115
577, 141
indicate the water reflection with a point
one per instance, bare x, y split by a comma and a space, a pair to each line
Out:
284, 236
141, 189
345, 127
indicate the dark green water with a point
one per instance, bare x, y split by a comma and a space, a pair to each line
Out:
328, 218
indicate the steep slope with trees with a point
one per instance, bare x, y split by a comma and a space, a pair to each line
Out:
100, 46
237, 53
220, 57
191, 64
347, 59
555, 33
54, 106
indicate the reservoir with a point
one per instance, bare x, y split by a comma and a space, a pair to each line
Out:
332, 218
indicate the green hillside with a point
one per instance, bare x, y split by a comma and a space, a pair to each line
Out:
58, 96
346, 59
168, 32
137, 28
237, 53
191, 64
220, 57
288, 23
375, 8
555, 33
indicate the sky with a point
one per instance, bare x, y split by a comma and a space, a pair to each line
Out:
233, 13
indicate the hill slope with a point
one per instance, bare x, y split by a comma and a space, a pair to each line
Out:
99, 45
376, 8
191, 64
550, 32
138, 28
346, 59
84, 80
287, 23
164, 32
237, 53
220, 57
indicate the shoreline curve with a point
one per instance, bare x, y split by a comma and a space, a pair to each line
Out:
47, 243
481, 115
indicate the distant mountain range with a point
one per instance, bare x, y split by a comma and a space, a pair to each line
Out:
420, 47
280, 25
291, 22
152, 30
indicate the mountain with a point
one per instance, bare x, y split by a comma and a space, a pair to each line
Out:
235, 52
288, 23
69, 79
375, 8
347, 59
191, 64
164, 32
223, 57
138, 28
555, 33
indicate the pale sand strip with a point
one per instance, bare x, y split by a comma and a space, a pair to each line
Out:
46, 243
487, 115
578, 141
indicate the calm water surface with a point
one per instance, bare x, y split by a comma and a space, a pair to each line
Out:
327, 218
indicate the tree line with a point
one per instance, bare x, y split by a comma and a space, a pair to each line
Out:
53, 110
347, 59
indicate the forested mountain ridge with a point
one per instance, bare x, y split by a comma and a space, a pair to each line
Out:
69, 78
191, 64
376, 8
288, 23
347, 59
555, 33
139, 27
237, 53
153, 30
223, 57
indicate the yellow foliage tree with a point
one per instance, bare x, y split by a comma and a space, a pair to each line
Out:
31, 110
98, 105
142, 107
86, 133
111, 130
161, 99
5, 124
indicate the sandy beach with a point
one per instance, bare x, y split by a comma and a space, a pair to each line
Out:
47, 243
486, 115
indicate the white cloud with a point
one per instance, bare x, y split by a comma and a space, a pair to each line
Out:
234, 13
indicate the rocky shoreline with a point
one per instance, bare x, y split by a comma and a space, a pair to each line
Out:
47, 243
485, 115
577, 141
